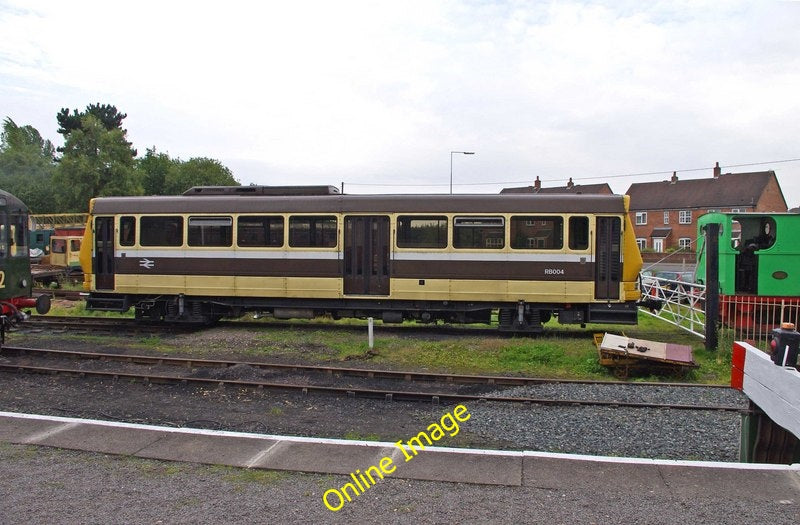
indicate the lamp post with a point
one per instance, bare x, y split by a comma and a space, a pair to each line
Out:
451, 165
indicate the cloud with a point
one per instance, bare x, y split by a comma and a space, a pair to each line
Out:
372, 92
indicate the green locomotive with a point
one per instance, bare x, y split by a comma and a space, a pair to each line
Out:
759, 272
15, 267
758, 253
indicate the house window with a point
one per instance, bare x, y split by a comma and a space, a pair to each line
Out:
666, 217
685, 242
737, 210
685, 217
494, 242
642, 243
641, 217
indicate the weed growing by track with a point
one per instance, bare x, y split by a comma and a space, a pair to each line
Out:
561, 352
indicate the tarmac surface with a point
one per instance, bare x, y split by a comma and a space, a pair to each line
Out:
499, 486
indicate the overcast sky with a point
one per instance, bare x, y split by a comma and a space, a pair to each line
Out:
379, 93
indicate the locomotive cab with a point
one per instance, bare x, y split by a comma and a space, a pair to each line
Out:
15, 271
755, 252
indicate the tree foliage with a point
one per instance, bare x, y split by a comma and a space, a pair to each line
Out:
27, 164
162, 175
96, 162
107, 114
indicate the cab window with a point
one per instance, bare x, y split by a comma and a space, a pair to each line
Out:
578, 233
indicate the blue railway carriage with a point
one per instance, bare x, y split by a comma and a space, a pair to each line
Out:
220, 252
15, 268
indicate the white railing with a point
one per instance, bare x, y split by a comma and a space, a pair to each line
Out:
745, 318
683, 303
752, 319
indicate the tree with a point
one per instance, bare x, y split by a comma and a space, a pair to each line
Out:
199, 171
154, 170
107, 114
162, 175
96, 162
27, 164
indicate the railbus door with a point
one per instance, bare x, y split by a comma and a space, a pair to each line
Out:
366, 255
104, 253
608, 264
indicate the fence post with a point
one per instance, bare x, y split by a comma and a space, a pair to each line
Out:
712, 283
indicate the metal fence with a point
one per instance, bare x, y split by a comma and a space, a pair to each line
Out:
684, 303
741, 318
752, 319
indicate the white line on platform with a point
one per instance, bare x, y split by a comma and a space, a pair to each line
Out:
383, 444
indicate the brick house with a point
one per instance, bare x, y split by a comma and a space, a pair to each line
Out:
665, 213
585, 189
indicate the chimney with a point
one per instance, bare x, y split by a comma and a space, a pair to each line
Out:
570, 184
674, 178
717, 171
537, 184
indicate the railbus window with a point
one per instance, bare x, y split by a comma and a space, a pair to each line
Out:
578, 233
161, 231
210, 231
529, 232
479, 232
127, 231
415, 231
259, 231
312, 231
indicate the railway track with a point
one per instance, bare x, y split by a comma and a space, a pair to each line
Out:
308, 379
123, 325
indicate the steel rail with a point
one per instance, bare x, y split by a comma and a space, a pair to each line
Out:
400, 395
189, 362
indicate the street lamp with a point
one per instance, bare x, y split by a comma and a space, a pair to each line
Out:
451, 165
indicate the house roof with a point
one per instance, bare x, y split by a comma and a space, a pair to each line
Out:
729, 190
585, 189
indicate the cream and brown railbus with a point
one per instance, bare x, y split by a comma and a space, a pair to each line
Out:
302, 252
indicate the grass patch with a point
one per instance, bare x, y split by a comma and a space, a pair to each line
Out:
78, 309
356, 436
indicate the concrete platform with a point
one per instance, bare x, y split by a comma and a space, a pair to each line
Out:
754, 482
